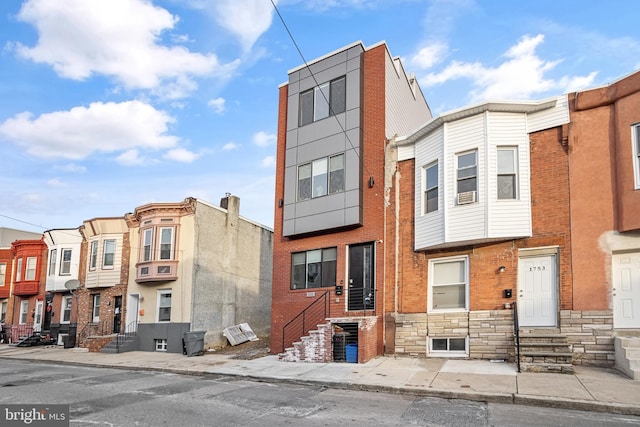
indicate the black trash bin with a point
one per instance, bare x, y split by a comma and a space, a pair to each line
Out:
193, 343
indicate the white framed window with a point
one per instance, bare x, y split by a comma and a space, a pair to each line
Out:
161, 344
635, 140
448, 346
95, 308
166, 243
65, 311
467, 177
30, 273
449, 284
19, 270
93, 256
321, 177
109, 253
164, 305
323, 101
507, 179
52, 261
65, 262
3, 272
147, 242
430, 188
24, 311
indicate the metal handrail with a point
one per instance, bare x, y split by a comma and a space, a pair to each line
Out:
516, 332
303, 314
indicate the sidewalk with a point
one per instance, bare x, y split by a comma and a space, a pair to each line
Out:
589, 389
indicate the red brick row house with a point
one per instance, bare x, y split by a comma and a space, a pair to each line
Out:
472, 234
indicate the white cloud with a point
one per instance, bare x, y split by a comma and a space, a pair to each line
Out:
72, 167
181, 155
218, 104
116, 38
230, 146
56, 182
429, 55
246, 19
83, 131
268, 162
263, 139
130, 158
521, 76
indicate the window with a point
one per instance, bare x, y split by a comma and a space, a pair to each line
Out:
467, 176
3, 272
431, 188
323, 101
166, 243
314, 180
164, 305
313, 269
635, 139
95, 308
161, 344
52, 262
19, 270
452, 346
30, 274
66, 309
147, 241
65, 262
94, 255
507, 176
448, 279
109, 253
24, 310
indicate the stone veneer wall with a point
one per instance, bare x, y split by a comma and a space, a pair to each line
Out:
590, 335
491, 335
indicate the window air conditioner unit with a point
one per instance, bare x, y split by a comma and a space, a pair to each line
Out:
467, 197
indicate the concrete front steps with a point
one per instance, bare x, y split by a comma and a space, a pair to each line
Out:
628, 356
315, 347
545, 351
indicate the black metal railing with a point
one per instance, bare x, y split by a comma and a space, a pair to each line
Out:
516, 333
313, 315
130, 331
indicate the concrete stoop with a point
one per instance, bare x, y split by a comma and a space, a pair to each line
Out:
628, 356
315, 347
545, 351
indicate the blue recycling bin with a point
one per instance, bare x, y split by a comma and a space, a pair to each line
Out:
352, 353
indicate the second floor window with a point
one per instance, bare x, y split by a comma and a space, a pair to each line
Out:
65, 262
467, 176
94, 255
52, 261
431, 188
321, 177
313, 269
323, 101
507, 173
30, 274
108, 257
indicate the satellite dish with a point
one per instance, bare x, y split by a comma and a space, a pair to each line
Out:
72, 284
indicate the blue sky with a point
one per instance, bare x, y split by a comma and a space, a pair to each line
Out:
111, 104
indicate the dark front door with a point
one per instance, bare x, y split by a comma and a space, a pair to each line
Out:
361, 280
117, 314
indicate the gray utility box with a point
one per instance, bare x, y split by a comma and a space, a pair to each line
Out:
193, 343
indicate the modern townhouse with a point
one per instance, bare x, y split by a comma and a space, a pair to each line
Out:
196, 267
336, 116
63, 273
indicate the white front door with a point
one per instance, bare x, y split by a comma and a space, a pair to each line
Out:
626, 290
537, 291
37, 318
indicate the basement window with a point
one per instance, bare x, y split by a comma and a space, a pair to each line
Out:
448, 347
